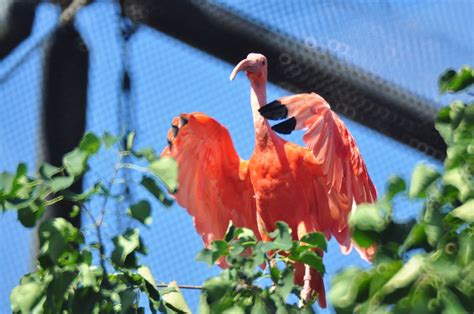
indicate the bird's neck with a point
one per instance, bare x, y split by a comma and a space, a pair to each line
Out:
258, 98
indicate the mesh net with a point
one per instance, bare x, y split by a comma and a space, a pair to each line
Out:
409, 45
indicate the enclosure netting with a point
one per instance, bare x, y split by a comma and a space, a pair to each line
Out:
406, 43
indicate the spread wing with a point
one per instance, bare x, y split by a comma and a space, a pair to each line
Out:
340, 168
214, 185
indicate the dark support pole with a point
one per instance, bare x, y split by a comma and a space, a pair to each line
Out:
18, 24
64, 103
297, 67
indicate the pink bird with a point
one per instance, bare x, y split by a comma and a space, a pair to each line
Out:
312, 188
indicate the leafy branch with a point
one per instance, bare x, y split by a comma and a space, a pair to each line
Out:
66, 278
240, 288
424, 265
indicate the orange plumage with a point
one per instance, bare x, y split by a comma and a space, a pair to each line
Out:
312, 188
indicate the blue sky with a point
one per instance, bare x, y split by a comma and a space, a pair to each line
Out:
406, 42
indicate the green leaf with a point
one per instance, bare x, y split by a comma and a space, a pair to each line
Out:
26, 297
75, 162
141, 211
416, 237
127, 300
47, 171
395, 186
422, 177
166, 168
148, 153
109, 140
89, 276
27, 216
456, 178
313, 260
364, 238
60, 183
368, 217
315, 240
58, 236
465, 212
156, 191
452, 81
205, 255
451, 303
174, 299
75, 211
285, 283
275, 274
150, 288
216, 288
230, 233
281, 238
146, 274
346, 286
218, 248
90, 143
125, 246
406, 275
130, 140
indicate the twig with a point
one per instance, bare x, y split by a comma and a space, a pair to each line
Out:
111, 183
99, 238
68, 13
163, 285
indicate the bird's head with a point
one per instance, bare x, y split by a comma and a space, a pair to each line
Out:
255, 65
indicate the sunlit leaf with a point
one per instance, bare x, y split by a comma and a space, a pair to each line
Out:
130, 140
90, 143
174, 299
56, 236
75, 162
60, 183
422, 177
406, 275
47, 171
465, 211
368, 217
166, 168
25, 297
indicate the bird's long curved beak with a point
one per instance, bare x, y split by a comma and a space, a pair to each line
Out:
244, 65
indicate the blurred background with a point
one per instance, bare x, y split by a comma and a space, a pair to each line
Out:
70, 66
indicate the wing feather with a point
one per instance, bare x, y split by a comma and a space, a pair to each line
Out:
340, 167
214, 185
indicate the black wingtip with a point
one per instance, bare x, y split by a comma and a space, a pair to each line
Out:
175, 130
274, 111
285, 127
183, 121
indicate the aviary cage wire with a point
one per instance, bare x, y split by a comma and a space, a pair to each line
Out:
377, 63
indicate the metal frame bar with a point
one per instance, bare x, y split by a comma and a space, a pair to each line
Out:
293, 65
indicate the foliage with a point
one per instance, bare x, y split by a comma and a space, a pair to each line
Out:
424, 265
66, 279
239, 289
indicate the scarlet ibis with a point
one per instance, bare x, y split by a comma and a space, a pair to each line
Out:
312, 188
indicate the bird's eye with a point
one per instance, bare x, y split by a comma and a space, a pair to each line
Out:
263, 62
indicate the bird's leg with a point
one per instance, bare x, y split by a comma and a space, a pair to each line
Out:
307, 292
